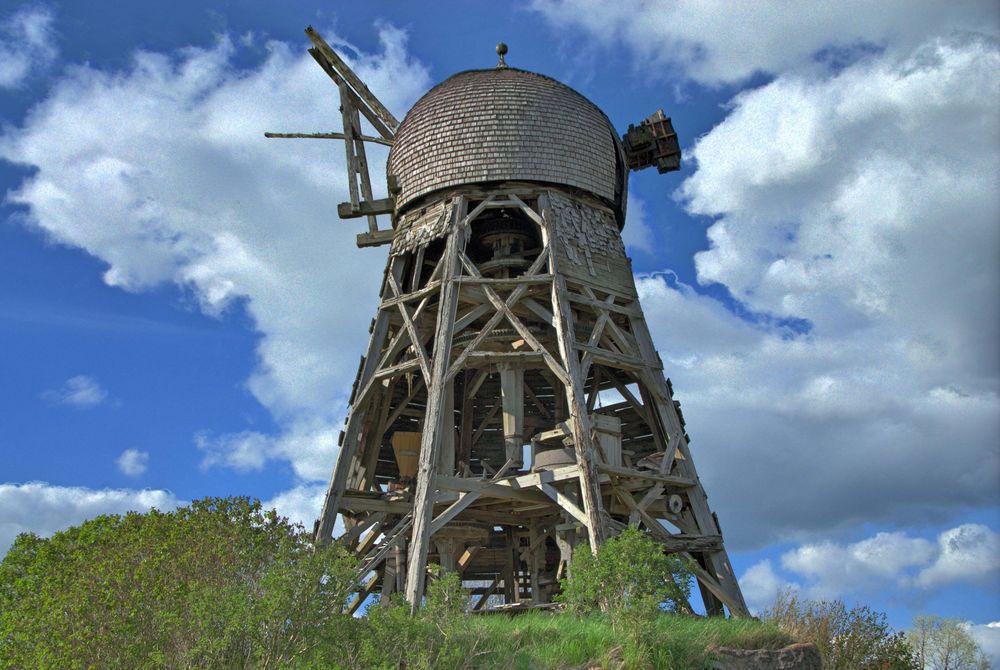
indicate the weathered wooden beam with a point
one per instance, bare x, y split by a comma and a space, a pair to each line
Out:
454, 510
632, 473
593, 506
367, 504
347, 210
430, 441
327, 136
488, 489
372, 106
564, 501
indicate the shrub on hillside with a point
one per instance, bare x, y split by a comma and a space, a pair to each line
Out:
629, 572
855, 639
437, 637
221, 584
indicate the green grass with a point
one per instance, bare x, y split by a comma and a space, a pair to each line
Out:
560, 641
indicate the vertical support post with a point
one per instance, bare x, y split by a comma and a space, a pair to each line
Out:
465, 434
430, 440
446, 458
512, 400
536, 559
562, 319
347, 117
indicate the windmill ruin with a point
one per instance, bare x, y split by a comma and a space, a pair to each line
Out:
511, 407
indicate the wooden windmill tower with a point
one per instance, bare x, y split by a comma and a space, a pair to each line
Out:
511, 407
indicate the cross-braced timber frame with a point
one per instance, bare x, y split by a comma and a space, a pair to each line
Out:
480, 363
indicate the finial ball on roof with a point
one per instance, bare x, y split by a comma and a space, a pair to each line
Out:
501, 51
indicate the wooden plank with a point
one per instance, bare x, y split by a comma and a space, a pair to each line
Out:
632, 473
362, 164
593, 506
363, 504
512, 404
539, 310
430, 442
372, 104
611, 358
504, 307
346, 110
362, 595
376, 239
718, 565
486, 594
489, 489
545, 477
454, 510
564, 502
327, 136
347, 210
352, 535
415, 340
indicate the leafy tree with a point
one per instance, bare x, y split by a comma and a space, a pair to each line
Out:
945, 644
221, 584
855, 639
629, 572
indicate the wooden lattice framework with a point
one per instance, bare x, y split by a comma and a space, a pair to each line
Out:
508, 317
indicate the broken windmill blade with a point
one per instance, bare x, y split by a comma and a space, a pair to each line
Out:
356, 100
511, 408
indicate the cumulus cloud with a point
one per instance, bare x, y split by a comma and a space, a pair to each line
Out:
301, 504
761, 585
721, 42
309, 445
81, 392
987, 636
133, 462
27, 44
898, 562
863, 385
970, 552
44, 509
185, 189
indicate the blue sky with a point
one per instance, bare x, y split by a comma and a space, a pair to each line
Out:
181, 312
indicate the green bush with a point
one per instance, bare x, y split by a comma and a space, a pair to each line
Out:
855, 639
629, 573
219, 584
437, 637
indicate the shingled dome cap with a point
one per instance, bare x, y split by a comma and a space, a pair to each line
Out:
506, 124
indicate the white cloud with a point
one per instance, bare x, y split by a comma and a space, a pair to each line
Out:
969, 553
863, 204
895, 562
833, 569
44, 509
987, 636
719, 42
184, 188
27, 43
133, 462
761, 585
310, 445
301, 504
81, 391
